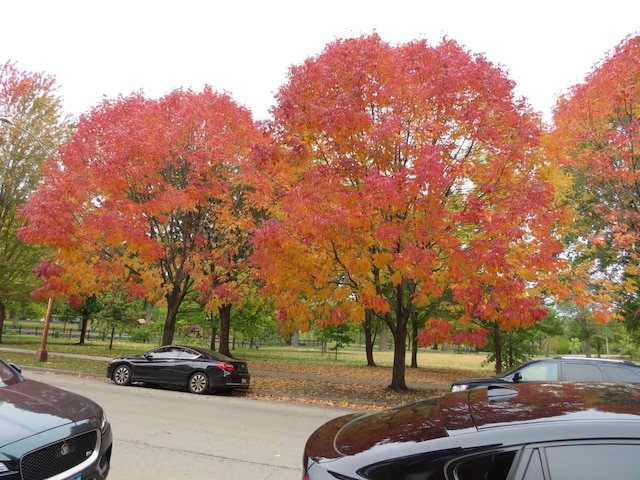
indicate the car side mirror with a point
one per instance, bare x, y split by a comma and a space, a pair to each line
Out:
517, 377
16, 367
148, 356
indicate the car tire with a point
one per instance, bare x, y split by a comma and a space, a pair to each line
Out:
198, 383
122, 375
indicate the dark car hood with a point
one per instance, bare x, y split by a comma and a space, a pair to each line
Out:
30, 407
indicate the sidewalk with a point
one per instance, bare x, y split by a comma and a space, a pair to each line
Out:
56, 354
260, 373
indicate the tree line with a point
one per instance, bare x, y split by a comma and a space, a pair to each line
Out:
399, 185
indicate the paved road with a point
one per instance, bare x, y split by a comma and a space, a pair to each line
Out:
162, 434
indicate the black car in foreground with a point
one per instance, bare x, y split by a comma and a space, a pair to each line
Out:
49, 433
560, 369
549, 431
197, 369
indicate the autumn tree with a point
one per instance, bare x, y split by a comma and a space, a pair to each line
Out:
597, 133
115, 313
84, 308
146, 196
407, 170
31, 125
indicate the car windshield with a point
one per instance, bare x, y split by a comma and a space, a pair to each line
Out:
8, 376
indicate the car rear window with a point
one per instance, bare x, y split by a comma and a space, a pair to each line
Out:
495, 466
619, 373
431, 466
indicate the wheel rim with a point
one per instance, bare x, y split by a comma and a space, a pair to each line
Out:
121, 375
198, 383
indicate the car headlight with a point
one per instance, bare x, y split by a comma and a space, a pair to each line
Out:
104, 423
459, 388
3, 468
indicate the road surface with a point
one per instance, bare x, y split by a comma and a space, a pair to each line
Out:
161, 434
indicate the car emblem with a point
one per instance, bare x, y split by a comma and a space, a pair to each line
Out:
64, 449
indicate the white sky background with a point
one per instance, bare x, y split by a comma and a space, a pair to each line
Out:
97, 49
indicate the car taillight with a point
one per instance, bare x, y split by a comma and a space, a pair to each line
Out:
227, 367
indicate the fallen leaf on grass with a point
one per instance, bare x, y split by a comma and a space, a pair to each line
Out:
356, 395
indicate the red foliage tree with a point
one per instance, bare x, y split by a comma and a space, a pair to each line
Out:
597, 133
147, 195
407, 170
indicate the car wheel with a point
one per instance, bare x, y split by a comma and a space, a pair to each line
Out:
122, 375
198, 383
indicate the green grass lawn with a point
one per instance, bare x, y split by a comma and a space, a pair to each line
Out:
288, 358
434, 368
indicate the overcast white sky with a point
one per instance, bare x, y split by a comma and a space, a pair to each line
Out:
98, 48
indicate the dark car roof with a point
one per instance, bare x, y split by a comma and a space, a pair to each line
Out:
553, 403
484, 415
595, 360
206, 353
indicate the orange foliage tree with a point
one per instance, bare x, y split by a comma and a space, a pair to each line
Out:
407, 172
597, 134
147, 196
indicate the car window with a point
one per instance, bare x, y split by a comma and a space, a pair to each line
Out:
188, 354
619, 373
166, 353
494, 466
487, 466
428, 466
581, 372
534, 467
593, 462
540, 372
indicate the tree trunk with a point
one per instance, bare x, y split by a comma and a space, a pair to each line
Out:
399, 332
414, 344
398, 381
174, 300
169, 326
587, 343
369, 338
225, 326
83, 329
3, 317
497, 345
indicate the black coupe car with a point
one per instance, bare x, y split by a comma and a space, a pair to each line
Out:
49, 433
549, 431
560, 369
197, 369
